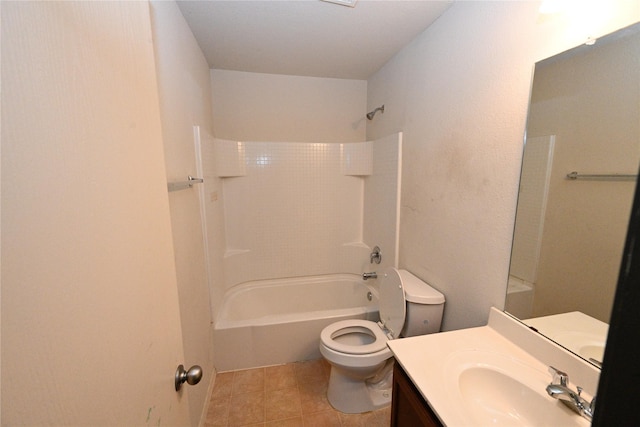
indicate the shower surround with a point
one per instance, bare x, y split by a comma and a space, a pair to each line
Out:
298, 210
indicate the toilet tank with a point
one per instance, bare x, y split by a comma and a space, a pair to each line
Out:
425, 306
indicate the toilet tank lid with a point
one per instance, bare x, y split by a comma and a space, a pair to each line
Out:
417, 291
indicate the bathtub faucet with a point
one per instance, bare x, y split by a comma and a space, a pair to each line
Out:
372, 275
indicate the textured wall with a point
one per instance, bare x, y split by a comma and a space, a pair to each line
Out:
459, 92
185, 101
269, 107
88, 278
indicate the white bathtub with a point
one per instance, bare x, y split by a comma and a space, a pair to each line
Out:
270, 322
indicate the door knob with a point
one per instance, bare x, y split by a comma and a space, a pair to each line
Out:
191, 377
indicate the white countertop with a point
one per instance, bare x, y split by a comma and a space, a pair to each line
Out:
433, 362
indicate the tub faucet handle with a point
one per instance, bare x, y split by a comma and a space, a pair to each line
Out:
372, 275
376, 255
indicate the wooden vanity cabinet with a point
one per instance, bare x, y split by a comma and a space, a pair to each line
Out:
408, 408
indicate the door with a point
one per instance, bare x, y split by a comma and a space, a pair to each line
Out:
90, 319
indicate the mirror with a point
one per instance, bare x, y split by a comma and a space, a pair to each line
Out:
580, 161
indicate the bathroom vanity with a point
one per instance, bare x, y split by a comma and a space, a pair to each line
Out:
495, 374
408, 408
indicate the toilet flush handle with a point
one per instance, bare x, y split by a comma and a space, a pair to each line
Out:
191, 377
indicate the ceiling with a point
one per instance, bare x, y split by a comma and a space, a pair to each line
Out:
307, 37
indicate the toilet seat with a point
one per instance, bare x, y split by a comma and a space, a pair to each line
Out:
392, 315
343, 327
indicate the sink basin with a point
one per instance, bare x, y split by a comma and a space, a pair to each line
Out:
498, 390
494, 375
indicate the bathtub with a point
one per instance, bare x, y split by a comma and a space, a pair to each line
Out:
270, 322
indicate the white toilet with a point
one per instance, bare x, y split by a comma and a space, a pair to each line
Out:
361, 362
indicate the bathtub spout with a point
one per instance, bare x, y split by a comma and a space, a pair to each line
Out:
372, 275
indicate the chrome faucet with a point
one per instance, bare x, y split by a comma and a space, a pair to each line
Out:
372, 275
559, 389
376, 255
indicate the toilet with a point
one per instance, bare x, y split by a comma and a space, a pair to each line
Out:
361, 363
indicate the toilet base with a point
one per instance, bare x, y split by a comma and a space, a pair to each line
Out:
353, 396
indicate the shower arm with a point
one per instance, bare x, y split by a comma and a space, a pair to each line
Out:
373, 113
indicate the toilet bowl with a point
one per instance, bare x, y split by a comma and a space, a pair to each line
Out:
361, 362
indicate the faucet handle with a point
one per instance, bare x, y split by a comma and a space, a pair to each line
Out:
376, 255
559, 377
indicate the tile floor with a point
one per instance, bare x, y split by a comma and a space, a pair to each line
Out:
288, 395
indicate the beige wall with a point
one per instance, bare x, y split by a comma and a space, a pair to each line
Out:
590, 102
269, 107
185, 100
459, 92
90, 324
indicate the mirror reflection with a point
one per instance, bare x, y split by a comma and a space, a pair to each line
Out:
580, 162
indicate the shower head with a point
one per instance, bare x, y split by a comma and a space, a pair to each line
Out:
373, 113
